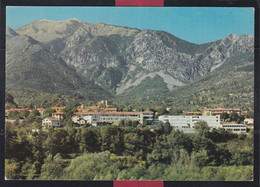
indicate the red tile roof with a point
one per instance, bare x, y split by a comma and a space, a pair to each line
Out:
222, 109
40, 109
17, 109
58, 108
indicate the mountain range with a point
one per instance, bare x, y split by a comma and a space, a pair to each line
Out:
130, 66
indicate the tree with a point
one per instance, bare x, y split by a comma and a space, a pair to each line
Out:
176, 111
224, 116
9, 100
52, 167
13, 114
24, 114
34, 113
234, 116
48, 112
128, 123
121, 123
240, 119
68, 113
179, 140
89, 140
202, 138
201, 127
250, 114
162, 111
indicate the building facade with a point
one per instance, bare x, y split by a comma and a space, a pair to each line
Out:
82, 118
114, 117
235, 128
51, 122
58, 115
186, 123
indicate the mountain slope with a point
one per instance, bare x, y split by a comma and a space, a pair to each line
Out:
230, 85
135, 66
29, 65
100, 51
118, 58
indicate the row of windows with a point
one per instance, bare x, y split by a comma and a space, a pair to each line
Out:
234, 126
236, 129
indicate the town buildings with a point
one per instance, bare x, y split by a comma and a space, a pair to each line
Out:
97, 116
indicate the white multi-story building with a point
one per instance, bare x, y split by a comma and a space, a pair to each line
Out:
235, 128
114, 117
186, 123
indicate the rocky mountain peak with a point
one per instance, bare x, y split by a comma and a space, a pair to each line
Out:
10, 32
121, 58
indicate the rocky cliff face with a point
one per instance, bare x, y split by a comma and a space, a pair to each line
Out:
30, 65
120, 58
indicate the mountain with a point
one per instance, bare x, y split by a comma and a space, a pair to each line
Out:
30, 65
145, 65
117, 57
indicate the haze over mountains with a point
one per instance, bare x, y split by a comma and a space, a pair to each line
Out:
99, 61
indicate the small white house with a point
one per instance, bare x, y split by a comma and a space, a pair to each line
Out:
51, 122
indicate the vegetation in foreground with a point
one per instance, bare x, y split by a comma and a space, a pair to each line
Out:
125, 152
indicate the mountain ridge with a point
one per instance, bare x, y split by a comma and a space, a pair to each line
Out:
119, 59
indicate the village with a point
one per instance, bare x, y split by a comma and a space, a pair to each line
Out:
99, 116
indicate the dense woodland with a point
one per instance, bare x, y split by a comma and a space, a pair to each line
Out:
126, 151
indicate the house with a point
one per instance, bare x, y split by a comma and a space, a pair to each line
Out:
249, 121
58, 115
57, 109
186, 123
216, 111
104, 103
41, 110
51, 122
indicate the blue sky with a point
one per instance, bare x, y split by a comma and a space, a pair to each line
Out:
197, 25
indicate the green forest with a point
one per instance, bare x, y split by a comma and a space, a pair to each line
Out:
125, 152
